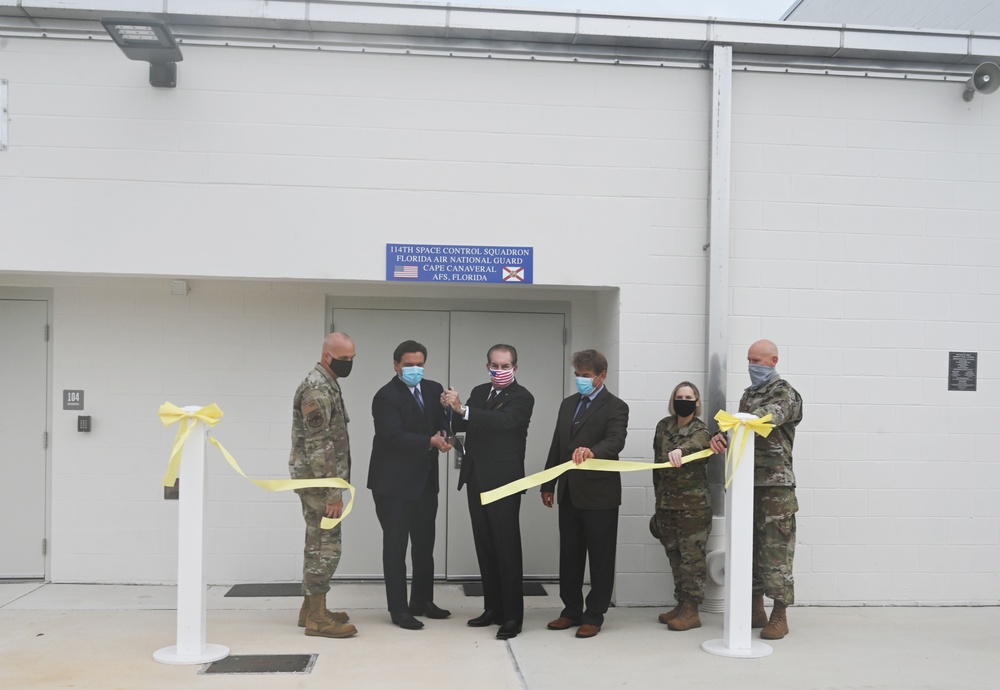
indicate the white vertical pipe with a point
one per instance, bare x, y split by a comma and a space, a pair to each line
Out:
191, 647
736, 640
718, 244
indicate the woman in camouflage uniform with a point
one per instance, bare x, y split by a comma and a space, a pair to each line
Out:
683, 518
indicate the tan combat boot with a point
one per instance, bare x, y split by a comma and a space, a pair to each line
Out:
668, 616
687, 618
758, 616
319, 624
777, 627
338, 616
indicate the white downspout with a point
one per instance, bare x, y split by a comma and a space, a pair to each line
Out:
718, 301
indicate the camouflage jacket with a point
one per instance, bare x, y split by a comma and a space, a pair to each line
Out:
320, 445
684, 487
773, 455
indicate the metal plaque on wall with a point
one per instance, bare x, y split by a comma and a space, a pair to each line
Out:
72, 400
962, 368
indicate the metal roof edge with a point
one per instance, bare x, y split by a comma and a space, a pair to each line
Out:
506, 31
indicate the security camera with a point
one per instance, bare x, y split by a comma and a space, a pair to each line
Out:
986, 79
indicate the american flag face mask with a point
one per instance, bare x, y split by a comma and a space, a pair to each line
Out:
501, 377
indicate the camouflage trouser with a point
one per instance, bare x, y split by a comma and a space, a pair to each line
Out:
322, 552
774, 510
684, 535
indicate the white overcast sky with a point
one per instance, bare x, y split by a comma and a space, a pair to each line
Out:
734, 9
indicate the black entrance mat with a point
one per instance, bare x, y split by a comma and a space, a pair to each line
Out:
530, 589
262, 664
267, 589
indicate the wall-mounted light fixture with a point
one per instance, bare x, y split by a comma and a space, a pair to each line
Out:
986, 80
150, 41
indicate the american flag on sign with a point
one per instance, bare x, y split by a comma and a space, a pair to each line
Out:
513, 273
405, 272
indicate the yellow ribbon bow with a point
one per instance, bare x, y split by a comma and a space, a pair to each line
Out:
171, 414
211, 415
728, 422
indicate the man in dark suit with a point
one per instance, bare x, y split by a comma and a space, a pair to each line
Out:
496, 424
592, 424
403, 478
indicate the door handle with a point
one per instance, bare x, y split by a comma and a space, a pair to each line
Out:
458, 447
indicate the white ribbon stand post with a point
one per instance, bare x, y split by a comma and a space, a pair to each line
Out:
736, 631
191, 647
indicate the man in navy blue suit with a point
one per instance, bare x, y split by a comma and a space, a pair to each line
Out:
496, 422
403, 477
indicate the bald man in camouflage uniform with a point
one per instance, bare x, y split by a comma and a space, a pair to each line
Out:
320, 450
774, 502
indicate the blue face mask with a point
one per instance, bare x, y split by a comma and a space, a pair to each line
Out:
412, 375
584, 385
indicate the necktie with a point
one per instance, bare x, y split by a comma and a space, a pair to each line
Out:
493, 394
420, 399
584, 404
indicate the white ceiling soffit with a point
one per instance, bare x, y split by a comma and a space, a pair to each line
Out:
431, 28
947, 15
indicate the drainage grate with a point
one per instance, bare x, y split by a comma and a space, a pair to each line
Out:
267, 589
262, 664
529, 589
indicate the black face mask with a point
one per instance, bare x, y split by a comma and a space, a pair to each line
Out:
341, 367
684, 408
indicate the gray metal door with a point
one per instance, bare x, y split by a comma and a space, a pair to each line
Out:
541, 366
456, 355
376, 333
23, 392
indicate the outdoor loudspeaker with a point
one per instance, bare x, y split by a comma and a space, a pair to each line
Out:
986, 79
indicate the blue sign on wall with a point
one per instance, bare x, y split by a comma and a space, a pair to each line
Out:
455, 263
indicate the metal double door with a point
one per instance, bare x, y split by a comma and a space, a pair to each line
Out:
457, 342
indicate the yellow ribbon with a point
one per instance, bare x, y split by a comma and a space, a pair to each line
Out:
171, 414
728, 422
210, 415
550, 474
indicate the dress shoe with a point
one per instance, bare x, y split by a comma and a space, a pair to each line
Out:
588, 630
430, 609
562, 623
407, 622
483, 619
508, 630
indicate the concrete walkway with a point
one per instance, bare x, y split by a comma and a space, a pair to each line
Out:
102, 637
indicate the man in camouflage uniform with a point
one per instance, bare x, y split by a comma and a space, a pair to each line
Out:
321, 449
775, 504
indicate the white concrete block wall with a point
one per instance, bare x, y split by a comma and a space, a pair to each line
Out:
277, 151
131, 345
245, 345
864, 246
863, 215
297, 158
